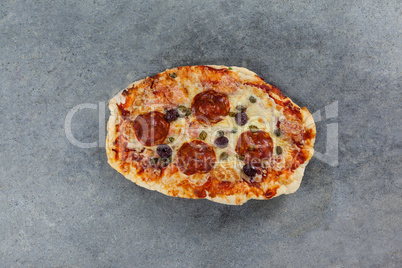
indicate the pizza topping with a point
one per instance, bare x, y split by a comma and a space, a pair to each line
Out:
253, 128
151, 128
164, 150
210, 107
195, 157
171, 115
154, 161
241, 108
222, 142
240, 157
249, 170
254, 146
192, 170
252, 99
165, 161
183, 111
203, 135
224, 156
241, 118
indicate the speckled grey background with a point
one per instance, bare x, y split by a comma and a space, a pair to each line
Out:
64, 206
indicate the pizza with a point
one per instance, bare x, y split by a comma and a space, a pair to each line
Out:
213, 132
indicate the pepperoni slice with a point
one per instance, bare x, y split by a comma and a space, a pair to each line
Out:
195, 157
210, 107
151, 128
255, 146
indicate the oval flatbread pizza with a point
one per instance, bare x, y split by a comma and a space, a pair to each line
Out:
213, 132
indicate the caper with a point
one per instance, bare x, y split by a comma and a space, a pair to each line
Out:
154, 160
171, 139
241, 108
182, 110
173, 75
279, 150
277, 132
232, 114
188, 112
223, 156
253, 128
252, 99
165, 161
221, 133
203, 135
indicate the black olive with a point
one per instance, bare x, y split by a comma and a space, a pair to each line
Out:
222, 142
164, 150
249, 170
171, 115
241, 118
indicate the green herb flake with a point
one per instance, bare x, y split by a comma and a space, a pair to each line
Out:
240, 157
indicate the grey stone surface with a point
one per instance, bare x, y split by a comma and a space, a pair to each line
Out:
64, 206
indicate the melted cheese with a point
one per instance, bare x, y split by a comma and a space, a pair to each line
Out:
263, 114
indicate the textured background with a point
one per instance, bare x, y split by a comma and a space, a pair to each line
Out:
61, 205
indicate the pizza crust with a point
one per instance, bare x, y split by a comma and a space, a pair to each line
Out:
235, 199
